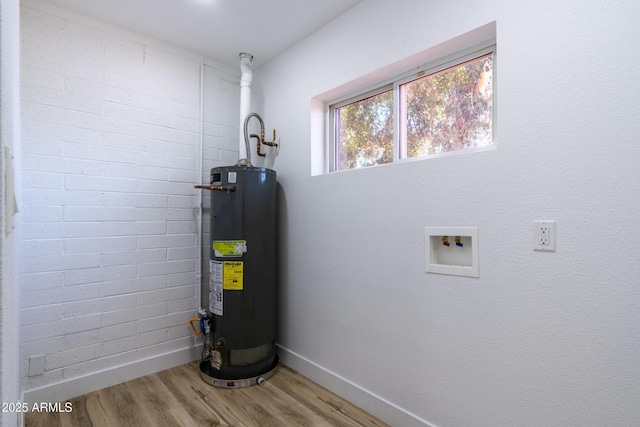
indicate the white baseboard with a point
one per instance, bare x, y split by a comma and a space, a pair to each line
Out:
365, 399
75, 387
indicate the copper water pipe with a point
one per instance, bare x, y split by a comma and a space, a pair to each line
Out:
227, 188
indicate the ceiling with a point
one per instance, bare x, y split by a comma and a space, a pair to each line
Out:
220, 29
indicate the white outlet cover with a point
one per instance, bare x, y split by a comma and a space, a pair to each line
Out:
36, 365
544, 235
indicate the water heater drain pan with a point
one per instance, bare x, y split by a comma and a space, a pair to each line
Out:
236, 383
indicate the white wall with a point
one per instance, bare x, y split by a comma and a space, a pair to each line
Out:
539, 338
111, 148
10, 224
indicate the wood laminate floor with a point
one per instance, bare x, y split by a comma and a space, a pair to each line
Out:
179, 397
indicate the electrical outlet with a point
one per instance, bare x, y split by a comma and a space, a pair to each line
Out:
544, 235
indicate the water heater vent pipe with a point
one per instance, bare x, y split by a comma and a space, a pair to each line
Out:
245, 106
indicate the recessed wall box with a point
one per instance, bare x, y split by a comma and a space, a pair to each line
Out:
452, 250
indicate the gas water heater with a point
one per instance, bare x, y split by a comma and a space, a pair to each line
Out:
240, 326
242, 286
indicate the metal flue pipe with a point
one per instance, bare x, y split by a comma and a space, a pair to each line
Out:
245, 105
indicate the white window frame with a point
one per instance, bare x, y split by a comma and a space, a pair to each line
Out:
333, 127
399, 144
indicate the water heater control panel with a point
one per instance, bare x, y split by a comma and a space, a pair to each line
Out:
216, 178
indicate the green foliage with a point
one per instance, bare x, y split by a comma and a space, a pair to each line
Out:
366, 132
445, 111
450, 110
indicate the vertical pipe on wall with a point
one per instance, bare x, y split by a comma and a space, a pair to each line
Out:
245, 100
200, 161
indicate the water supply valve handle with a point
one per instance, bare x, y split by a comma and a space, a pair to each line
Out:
193, 328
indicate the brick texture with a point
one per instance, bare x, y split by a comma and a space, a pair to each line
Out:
111, 150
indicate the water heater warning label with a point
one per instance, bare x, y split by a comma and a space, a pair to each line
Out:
229, 248
232, 272
215, 287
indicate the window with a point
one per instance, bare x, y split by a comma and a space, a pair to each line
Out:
442, 108
364, 131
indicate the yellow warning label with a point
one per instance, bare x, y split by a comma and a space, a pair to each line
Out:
229, 248
232, 272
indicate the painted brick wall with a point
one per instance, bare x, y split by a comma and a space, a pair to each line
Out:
111, 150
